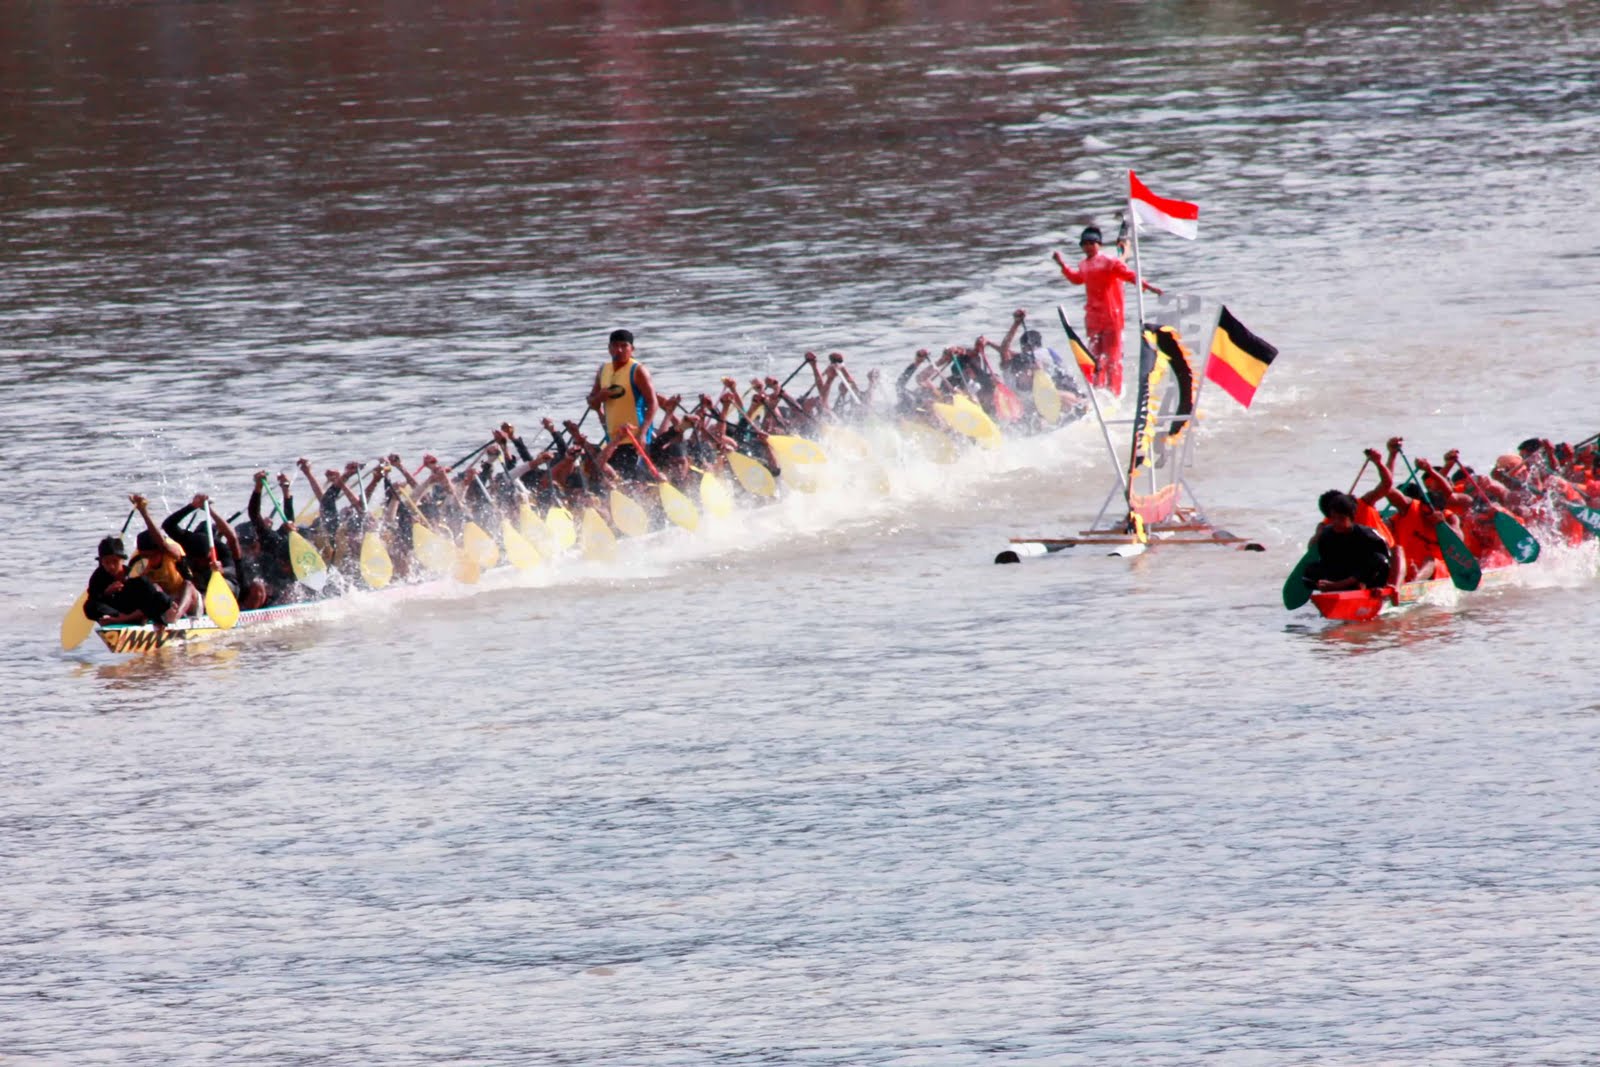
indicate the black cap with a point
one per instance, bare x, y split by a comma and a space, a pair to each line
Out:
112, 546
1090, 233
149, 542
1032, 338
624, 336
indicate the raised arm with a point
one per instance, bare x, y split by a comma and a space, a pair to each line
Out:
1069, 272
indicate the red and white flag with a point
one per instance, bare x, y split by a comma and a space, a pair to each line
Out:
1175, 216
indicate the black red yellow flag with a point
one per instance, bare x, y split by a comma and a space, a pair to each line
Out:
1238, 358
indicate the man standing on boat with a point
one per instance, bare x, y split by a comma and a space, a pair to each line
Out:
1102, 276
626, 397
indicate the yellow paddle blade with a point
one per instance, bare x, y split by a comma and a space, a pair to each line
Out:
222, 607
679, 508
715, 496
969, 420
1046, 399
562, 529
788, 450
848, 444
519, 550
75, 625
307, 562
925, 439
598, 540
627, 516
466, 570
752, 475
534, 530
308, 514
434, 552
477, 543
799, 460
376, 566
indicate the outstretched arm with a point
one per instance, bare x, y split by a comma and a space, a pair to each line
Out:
1072, 274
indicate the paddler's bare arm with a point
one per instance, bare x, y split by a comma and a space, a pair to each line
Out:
337, 480
288, 498
225, 532
1018, 317
394, 461
253, 509
311, 479
1425, 468
143, 507
1372, 496
439, 476
375, 481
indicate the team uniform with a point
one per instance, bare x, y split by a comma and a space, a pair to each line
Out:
1102, 277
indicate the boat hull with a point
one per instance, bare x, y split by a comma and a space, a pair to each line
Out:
1360, 605
144, 639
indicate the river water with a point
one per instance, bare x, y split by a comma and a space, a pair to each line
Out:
826, 787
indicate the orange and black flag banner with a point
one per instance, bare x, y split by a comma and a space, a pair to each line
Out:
1179, 358
1080, 351
1238, 358
1143, 424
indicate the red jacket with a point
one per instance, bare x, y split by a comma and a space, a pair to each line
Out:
1102, 276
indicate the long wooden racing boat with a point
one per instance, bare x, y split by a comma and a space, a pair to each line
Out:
1359, 605
144, 638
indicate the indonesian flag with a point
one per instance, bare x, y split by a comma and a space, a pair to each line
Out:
1175, 216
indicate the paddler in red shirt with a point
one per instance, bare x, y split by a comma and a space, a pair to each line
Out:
1414, 523
1102, 276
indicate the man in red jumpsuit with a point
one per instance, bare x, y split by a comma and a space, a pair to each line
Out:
1102, 276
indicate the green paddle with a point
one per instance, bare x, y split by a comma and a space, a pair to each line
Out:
1522, 545
1458, 559
1296, 593
1587, 516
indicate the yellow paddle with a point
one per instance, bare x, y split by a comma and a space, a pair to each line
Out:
937, 446
75, 625
562, 528
969, 420
788, 449
599, 543
715, 496
477, 543
679, 509
847, 443
1046, 398
799, 459
222, 607
376, 566
627, 516
467, 571
436, 553
535, 532
519, 551
307, 562
752, 475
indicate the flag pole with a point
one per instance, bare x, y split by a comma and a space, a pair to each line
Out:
1205, 368
1138, 291
1088, 387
